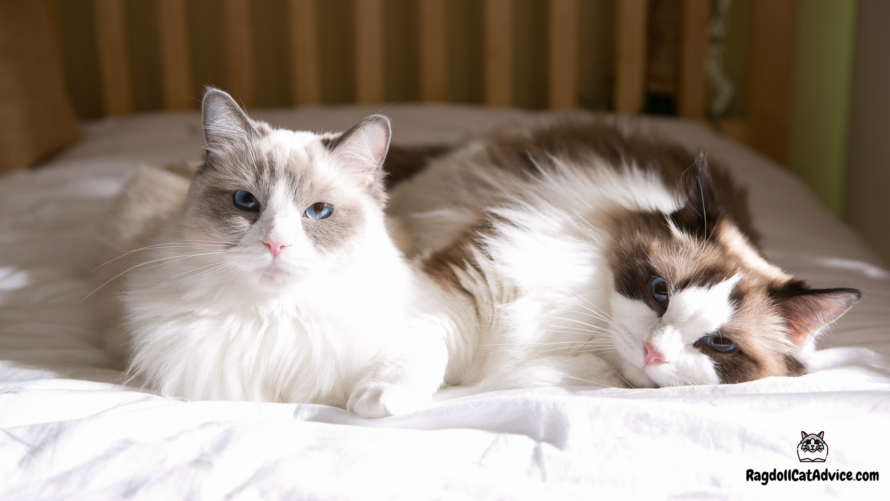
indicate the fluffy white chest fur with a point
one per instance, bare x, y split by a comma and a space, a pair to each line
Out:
215, 337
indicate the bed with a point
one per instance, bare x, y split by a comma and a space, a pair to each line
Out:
71, 428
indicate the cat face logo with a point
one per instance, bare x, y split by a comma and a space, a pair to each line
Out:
812, 449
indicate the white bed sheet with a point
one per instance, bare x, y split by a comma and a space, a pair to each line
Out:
71, 430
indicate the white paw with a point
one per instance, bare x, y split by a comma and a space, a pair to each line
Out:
376, 400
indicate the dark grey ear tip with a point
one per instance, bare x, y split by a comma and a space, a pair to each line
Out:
212, 95
380, 119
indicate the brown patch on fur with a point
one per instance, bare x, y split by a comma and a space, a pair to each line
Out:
732, 368
644, 248
629, 255
442, 265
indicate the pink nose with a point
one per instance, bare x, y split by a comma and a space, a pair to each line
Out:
274, 247
652, 356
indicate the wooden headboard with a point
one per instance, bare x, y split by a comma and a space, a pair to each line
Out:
511, 53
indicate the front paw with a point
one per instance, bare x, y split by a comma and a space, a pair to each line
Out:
376, 400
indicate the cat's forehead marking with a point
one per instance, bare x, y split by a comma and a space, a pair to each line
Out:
288, 172
701, 310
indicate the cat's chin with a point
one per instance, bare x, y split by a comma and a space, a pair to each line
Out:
637, 377
277, 280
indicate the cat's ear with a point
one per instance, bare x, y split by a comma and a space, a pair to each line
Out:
803, 434
821, 433
701, 211
363, 148
808, 312
225, 124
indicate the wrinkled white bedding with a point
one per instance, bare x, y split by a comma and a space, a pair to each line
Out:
69, 428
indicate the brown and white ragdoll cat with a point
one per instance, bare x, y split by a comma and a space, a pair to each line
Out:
271, 275
580, 252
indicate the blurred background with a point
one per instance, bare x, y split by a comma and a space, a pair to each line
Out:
804, 82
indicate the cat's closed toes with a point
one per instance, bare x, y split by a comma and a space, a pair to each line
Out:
376, 400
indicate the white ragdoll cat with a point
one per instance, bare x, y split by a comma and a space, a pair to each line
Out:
578, 253
271, 276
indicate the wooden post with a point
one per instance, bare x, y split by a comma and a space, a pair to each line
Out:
176, 68
693, 99
369, 78
499, 52
630, 60
563, 91
305, 70
114, 58
771, 76
240, 62
433, 50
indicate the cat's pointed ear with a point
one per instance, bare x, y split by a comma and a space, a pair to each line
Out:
363, 148
808, 312
803, 434
821, 433
225, 124
701, 211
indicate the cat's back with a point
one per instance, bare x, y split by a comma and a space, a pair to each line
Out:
152, 200
480, 172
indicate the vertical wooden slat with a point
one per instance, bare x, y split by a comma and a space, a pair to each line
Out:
563, 53
176, 65
433, 50
630, 57
693, 98
114, 62
499, 52
369, 80
771, 76
240, 62
305, 70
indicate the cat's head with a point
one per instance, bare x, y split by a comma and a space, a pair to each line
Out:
694, 302
282, 204
812, 442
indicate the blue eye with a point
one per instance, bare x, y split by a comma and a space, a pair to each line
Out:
319, 210
246, 201
720, 344
659, 291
